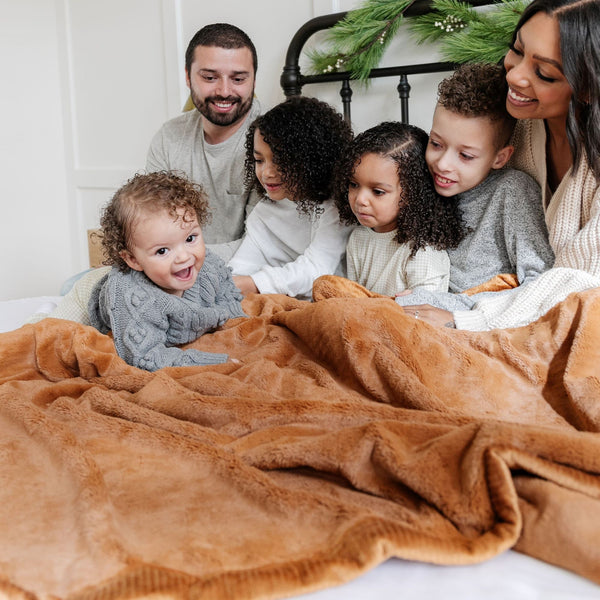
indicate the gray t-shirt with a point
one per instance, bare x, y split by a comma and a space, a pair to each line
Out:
179, 145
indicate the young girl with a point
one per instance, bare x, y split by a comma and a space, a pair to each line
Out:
294, 235
383, 183
165, 287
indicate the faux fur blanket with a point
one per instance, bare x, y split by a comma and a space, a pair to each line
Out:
347, 433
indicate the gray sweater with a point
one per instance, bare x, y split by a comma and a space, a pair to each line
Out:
506, 234
147, 322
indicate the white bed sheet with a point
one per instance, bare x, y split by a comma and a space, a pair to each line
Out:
509, 576
14, 313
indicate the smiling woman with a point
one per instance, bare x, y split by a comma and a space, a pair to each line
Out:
554, 91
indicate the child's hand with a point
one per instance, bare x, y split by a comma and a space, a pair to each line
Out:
403, 293
433, 316
245, 284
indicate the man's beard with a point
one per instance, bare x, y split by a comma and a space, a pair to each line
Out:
240, 108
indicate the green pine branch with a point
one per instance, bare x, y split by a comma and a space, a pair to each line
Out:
446, 16
357, 43
462, 34
466, 35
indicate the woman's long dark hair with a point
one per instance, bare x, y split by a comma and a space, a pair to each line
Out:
579, 27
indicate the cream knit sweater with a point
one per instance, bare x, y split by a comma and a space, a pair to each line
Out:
573, 220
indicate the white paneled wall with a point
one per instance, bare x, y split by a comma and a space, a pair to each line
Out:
34, 223
85, 86
116, 92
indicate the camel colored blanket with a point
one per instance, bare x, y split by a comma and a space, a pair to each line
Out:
347, 433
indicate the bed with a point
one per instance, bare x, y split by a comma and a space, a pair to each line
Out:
351, 452
333, 455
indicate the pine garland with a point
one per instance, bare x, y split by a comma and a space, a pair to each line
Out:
357, 43
465, 34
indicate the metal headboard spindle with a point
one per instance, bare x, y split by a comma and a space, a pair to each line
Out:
292, 80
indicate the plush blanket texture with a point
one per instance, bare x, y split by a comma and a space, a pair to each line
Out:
347, 433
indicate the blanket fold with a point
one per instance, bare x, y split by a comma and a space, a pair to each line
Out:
348, 433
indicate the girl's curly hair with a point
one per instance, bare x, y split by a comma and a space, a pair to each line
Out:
424, 217
307, 137
143, 193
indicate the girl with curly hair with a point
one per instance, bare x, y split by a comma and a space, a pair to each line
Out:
294, 234
384, 184
165, 288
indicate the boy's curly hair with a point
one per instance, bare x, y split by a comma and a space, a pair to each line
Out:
424, 217
479, 90
307, 137
152, 192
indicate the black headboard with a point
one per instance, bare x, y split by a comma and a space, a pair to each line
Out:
292, 80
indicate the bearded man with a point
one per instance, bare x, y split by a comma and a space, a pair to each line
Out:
207, 144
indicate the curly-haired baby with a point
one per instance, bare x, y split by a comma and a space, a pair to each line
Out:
383, 184
165, 288
469, 147
294, 235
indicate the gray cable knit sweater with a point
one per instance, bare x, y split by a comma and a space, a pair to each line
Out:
147, 323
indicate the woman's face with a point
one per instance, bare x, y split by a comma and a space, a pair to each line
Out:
538, 88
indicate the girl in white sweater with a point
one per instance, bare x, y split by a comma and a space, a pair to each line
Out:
554, 91
294, 235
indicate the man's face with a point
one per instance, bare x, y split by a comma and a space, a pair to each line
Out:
221, 82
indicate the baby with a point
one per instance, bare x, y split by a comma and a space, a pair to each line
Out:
165, 288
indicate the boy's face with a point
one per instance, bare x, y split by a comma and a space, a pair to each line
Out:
169, 251
462, 151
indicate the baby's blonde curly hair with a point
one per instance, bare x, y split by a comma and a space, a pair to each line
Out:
143, 193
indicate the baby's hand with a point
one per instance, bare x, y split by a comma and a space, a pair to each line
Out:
235, 361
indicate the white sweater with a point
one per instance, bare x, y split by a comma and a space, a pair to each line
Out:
285, 251
573, 220
379, 263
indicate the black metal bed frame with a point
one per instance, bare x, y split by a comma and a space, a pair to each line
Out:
292, 80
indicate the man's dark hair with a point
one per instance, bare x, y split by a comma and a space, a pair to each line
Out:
221, 35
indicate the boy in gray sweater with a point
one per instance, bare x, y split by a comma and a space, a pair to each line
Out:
501, 207
165, 287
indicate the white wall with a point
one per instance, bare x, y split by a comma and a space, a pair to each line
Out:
34, 224
85, 86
